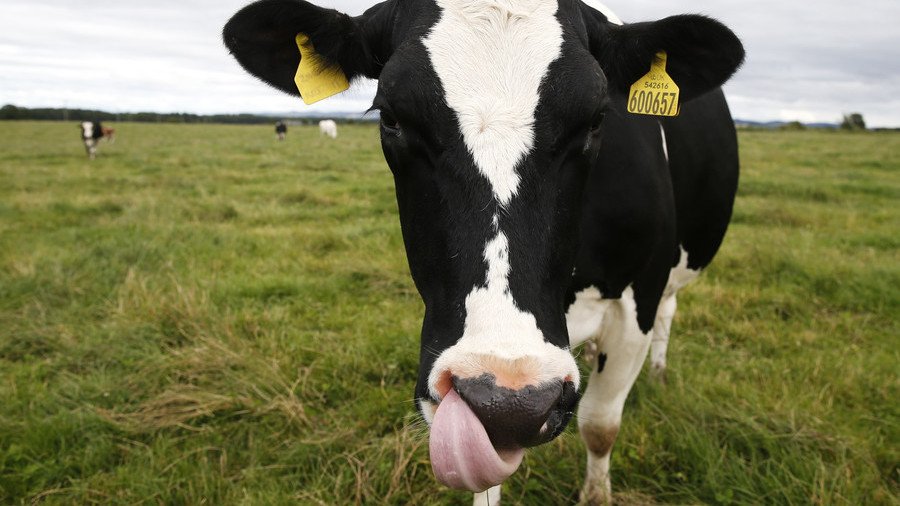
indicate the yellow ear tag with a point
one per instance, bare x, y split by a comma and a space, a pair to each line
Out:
315, 78
655, 93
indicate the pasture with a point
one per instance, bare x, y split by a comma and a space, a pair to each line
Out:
203, 315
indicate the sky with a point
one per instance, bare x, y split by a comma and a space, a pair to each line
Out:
807, 60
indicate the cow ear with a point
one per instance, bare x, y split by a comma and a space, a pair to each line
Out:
702, 53
262, 37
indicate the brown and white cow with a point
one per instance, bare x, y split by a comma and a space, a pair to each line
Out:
91, 133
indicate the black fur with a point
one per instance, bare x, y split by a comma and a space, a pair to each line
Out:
601, 362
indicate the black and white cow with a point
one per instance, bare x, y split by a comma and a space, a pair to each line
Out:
280, 130
91, 133
537, 213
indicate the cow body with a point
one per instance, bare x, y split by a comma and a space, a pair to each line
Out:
280, 130
328, 127
536, 212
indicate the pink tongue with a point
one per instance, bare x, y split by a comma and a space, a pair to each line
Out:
462, 455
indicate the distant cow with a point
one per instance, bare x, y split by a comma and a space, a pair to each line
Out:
91, 133
280, 130
108, 133
328, 127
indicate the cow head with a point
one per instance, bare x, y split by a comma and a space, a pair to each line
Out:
491, 116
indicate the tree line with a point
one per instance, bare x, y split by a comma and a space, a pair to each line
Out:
12, 112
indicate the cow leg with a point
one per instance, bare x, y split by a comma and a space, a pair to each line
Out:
89, 148
660, 342
622, 350
679, 277
490, 497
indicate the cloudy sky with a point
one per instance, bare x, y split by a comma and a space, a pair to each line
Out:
807, 60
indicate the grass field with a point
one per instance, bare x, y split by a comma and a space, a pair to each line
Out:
203, 315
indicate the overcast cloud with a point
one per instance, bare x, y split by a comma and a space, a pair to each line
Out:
807, 60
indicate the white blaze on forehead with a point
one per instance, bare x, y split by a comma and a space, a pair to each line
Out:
606, 11
87, 129
491, 56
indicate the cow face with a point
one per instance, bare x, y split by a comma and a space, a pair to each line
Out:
491, 117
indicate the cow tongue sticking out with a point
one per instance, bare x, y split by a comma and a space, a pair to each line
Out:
462, 455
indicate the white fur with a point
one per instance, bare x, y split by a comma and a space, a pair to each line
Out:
328, 127
491, 56
585, 315
680, 275
601, 405
87, 135
661, 329
495, 328
427, 408
626, 347
597, 484
665, 147
606, 11
490, 497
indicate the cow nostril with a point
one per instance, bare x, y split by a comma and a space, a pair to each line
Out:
444, 384
519, 418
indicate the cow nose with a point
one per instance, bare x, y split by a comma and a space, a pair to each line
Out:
520, 418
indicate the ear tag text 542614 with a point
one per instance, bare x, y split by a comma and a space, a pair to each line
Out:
317, 79
656, 93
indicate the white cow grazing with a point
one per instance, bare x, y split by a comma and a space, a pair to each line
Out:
328, 127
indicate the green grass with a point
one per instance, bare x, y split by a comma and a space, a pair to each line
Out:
205, 316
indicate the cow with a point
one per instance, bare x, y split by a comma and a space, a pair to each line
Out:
109, 134
537, 212
280, 130
328, 127
91, 133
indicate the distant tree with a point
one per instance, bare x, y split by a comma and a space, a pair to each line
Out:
10, 111
793, 125
853, 121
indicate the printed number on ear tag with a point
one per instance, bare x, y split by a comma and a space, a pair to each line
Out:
317, 79
655, 93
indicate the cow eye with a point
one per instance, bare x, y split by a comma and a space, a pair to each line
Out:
597, 123
389, 124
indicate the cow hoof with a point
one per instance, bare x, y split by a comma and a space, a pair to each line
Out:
595, 496
658, 374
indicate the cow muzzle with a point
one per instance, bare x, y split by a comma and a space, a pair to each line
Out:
480, 429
